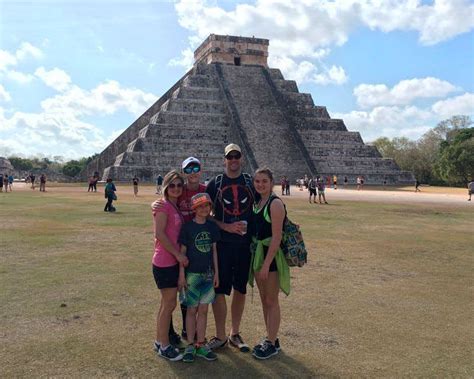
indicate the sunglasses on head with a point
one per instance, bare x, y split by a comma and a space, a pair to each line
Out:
191, 169
175, 185
233, 156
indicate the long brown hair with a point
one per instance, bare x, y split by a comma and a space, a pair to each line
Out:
169, 177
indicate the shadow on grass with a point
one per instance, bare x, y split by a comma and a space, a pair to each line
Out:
233, 364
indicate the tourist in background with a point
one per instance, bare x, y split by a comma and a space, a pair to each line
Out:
233, 196
166, 260
43, 183
417, 185
135, 181
312, 189
268, 263
470, 189
159, 183
109, 193
287, 186
10, 182
91, 184
1, 183
32, 180
321, 189
345, 182
334, 181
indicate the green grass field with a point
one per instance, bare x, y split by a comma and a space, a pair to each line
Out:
387, 292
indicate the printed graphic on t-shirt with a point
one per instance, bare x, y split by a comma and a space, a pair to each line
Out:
203, 242
235, 199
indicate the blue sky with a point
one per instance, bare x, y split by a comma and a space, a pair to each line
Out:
75, 74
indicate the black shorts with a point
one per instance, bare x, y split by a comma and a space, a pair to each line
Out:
234, 265
166, 277
312, 192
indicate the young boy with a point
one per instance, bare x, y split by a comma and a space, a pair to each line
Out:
198, 239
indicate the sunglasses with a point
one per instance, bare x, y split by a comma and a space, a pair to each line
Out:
192, 169
177, 185
229, 157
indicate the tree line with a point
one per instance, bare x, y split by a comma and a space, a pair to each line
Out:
69, 168
442, 156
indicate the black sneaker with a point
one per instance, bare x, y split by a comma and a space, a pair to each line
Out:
237, 341
170, 353
189, 354
176, 341
277, 344
216, 343
156, 346
267, 350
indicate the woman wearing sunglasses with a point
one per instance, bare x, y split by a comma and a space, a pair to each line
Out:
166, 259
191, 171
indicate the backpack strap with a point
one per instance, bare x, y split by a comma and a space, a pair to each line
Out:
267, 212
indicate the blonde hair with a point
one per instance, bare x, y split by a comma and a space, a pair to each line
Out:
169, 178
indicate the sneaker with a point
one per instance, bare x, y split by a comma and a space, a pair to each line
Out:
156, 346
189, 353
176, 341
237, 341
216, 343
277, 344
170, 353
204, 352
266, 351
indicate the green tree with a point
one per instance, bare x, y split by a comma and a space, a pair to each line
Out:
72, 168
22, 164
456, 159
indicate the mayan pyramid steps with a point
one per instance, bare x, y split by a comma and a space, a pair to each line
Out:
223, 100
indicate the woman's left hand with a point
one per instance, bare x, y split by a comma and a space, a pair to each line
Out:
263, 273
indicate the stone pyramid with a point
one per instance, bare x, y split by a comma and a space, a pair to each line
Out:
231, 96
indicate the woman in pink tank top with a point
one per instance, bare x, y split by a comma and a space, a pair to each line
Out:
166, 260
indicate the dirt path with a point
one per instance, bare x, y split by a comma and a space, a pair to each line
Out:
435, 195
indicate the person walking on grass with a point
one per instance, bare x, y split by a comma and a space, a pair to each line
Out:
470, 189
312, 189
32, 180
135, 181
268, 264
166, 260
109, 193
196, 283
233, 196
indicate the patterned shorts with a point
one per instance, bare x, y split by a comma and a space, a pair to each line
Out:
200, 289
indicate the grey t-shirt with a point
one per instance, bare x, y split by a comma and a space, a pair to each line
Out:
198, 239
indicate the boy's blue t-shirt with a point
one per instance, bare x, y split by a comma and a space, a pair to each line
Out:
198, 239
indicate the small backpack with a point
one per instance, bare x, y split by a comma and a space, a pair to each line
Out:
292, 244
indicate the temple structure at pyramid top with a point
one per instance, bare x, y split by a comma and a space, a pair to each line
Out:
230, 95
233, 50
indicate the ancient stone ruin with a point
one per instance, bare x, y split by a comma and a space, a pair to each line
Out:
231, 95
6, 166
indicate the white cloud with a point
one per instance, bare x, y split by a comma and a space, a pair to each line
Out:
404, 92
4, 95
186, 60
55, 78
27, 49
388, 121
6, 59
437, 22
302, 30
459, 105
